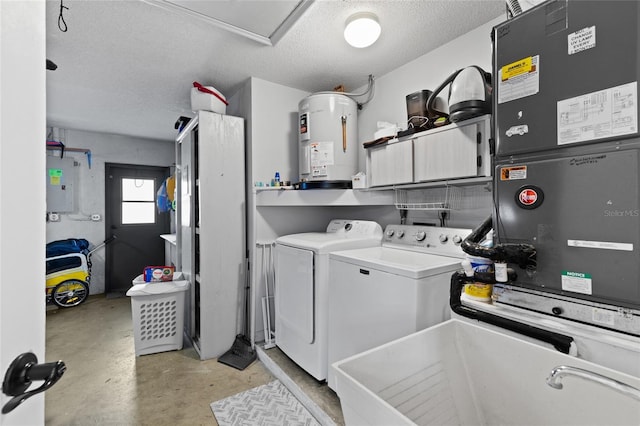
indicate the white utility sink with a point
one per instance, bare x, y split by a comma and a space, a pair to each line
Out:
457, 373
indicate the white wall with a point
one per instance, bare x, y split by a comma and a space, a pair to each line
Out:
274, 130
428, 72
105, 148
271, 113
425, 72
271, 109
22, 190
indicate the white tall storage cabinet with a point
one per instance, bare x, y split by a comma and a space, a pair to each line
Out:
210, 238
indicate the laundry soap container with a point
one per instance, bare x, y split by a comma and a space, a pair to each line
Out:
157, 311
478, 291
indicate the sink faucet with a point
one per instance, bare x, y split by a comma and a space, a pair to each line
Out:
554, 380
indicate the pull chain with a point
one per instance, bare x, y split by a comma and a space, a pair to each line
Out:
62, 25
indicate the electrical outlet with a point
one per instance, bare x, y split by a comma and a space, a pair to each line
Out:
96, 217
54, 217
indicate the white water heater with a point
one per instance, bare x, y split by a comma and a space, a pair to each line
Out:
328, 139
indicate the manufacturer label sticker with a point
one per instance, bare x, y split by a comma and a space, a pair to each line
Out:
603, 114
304, 123
318, 171
603, 245
577, 282
603, 316
513, 173
321, 158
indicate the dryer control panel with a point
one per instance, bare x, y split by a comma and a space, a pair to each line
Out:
354, 228
426, 239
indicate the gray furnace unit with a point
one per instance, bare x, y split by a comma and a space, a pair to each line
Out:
567, 158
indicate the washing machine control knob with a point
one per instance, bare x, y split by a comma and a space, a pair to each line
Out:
400, 233
348, 226
389, 233
443, 238
421, 235
457, 239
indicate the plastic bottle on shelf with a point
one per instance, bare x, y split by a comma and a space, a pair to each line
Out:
480, 292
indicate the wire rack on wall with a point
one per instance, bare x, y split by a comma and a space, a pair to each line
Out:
445, 198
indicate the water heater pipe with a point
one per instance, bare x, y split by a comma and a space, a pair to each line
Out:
514, 7
52, 145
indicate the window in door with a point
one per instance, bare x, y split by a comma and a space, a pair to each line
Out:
138, 202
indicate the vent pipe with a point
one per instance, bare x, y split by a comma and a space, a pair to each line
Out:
514, 7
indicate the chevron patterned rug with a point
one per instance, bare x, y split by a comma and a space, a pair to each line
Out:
267, 405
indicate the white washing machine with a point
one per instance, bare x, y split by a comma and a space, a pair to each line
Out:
301, 288
379, 294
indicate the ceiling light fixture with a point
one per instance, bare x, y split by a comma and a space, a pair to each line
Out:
362, 29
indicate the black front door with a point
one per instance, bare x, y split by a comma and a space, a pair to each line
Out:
133, 218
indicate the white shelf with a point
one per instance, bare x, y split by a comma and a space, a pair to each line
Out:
323, 197
438, 184
170, 238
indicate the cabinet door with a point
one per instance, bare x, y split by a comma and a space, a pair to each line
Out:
185, 191
447, 154
220, 241
185, 232
391, 164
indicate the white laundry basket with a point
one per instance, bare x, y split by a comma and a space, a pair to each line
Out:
157, 311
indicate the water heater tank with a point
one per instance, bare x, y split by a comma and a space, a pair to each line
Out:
328, 138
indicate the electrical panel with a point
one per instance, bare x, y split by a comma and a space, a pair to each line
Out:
61, 183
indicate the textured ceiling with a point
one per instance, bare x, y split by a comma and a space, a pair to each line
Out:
126, 67
241, 14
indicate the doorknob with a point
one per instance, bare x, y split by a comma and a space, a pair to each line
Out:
22, 371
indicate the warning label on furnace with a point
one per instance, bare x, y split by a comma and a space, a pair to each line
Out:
513, 173
576, 282
603, 114
321, 157
519, 79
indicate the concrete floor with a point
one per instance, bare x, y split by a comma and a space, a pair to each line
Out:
106, 384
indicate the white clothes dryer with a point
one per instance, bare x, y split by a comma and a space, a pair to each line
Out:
382, 293
301, 288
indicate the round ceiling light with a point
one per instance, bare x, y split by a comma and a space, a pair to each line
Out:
362, 29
